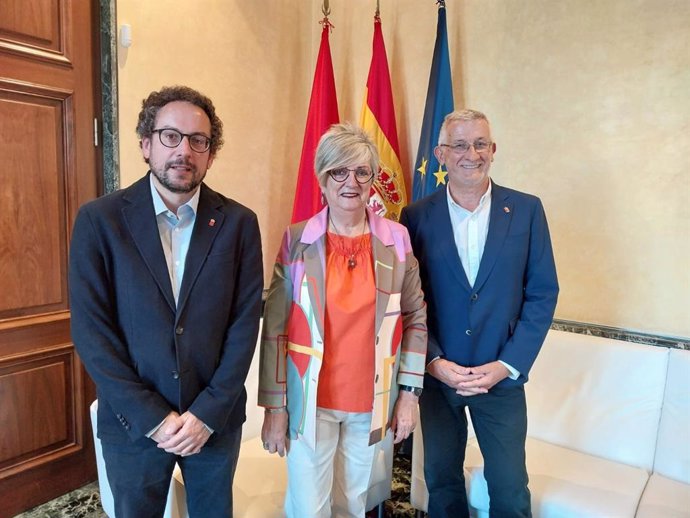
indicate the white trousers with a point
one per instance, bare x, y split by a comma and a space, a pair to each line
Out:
332, 481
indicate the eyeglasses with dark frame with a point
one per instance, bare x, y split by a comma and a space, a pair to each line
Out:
362, 174
463, 147
172, 138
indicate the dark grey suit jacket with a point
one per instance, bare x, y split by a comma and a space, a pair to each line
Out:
147, 356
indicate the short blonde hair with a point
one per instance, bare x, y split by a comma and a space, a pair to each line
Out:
342, 146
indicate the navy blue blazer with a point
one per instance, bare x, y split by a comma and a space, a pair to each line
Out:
147, 356
507, 313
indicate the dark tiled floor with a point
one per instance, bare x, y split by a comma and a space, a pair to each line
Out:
80, 503
399, 504
85, 502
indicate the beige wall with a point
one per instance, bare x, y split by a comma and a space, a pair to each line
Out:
588, 99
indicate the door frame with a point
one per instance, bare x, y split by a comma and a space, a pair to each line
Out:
109, 123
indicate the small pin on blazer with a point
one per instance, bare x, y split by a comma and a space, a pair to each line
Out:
506, 210
211, 222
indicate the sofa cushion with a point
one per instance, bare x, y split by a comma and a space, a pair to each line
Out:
565, 483
598, 396
673, 448
664, 497
260, 481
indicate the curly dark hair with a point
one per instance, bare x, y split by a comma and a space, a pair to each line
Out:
156, 100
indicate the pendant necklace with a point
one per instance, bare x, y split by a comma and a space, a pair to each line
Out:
351, 261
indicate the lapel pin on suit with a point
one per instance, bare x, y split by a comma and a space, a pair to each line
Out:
506, 210
211, 222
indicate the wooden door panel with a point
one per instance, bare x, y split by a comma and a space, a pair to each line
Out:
33, 264
24, 335
36, 28
38, 408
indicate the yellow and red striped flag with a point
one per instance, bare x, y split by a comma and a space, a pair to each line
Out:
388, 195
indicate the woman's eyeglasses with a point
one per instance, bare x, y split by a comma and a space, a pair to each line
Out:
362, 174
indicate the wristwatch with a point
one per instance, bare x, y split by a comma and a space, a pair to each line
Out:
417, 391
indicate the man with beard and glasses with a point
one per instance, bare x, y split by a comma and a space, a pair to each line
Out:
490, 285
165, 288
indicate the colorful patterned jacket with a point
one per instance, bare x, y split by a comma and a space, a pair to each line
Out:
293, 329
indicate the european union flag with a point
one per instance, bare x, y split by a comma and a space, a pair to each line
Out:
428, 174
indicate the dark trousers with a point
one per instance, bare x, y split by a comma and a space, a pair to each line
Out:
500, 422
139, 475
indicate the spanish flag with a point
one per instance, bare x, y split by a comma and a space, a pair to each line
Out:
323, 112
378, 119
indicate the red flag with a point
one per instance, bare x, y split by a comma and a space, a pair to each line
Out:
323, 112
388, 195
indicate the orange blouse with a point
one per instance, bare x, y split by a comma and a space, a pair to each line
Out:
346, 380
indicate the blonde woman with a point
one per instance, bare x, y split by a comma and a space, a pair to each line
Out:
344, 338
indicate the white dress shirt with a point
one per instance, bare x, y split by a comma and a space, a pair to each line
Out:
175, 231
470, 229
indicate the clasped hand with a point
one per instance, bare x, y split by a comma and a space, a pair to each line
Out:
181, 434
468, 381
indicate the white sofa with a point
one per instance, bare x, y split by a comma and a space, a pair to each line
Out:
608, 433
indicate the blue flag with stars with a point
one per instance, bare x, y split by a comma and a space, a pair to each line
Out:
428, 173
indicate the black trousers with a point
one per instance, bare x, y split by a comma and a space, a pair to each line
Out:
500, 422
139, 475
